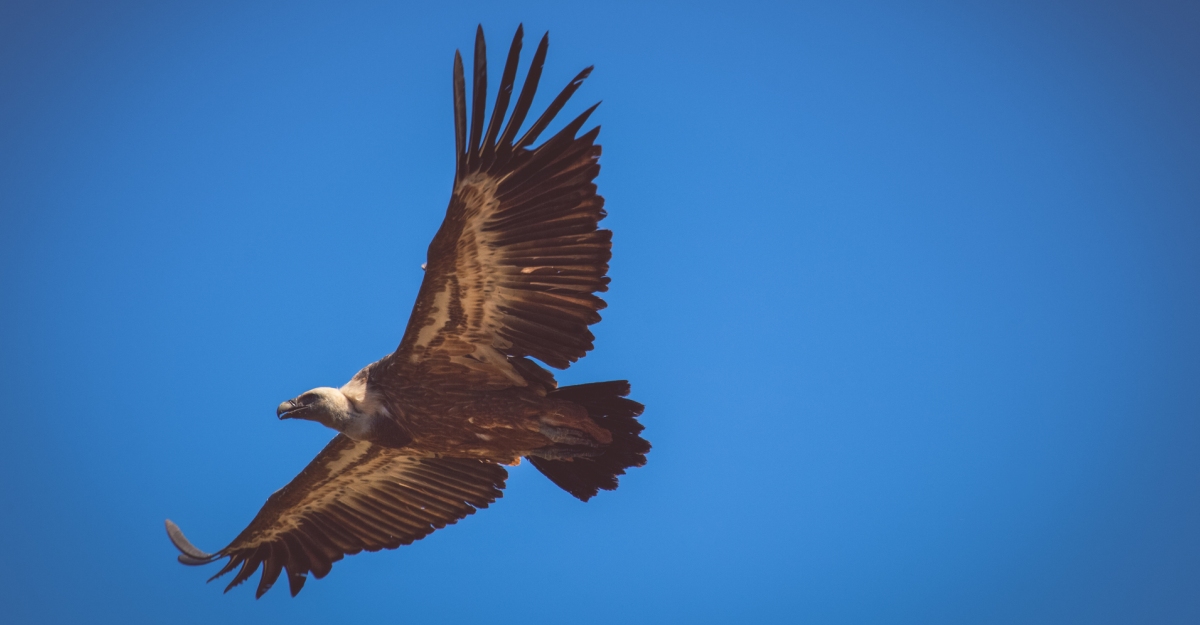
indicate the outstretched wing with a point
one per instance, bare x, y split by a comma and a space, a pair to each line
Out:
353, 496
515, 266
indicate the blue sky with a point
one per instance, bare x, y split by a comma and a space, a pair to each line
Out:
910, 292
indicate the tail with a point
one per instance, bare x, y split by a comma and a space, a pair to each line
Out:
607, 406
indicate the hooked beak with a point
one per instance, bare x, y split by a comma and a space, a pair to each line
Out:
287, 407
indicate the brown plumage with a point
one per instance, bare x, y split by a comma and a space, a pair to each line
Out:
512, 275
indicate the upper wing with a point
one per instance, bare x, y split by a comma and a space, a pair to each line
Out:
515, 266
352, 496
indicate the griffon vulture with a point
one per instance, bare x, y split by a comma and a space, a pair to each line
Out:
511, 275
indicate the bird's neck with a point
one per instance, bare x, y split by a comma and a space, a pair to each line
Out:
378, 429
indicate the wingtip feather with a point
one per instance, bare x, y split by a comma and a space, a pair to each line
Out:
295, 583
190, 555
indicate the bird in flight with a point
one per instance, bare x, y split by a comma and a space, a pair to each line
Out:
511, 276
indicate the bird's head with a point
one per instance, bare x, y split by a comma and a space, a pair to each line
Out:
327, 406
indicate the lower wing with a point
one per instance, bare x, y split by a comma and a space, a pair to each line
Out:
353, 496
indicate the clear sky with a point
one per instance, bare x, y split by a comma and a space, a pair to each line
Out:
910, 291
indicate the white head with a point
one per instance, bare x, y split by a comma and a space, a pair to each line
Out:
327, 406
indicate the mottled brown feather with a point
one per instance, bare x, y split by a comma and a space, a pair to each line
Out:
517, 220
355, 496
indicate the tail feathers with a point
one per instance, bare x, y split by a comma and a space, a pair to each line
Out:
606, 404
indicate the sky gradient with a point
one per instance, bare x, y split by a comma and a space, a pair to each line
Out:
910, 292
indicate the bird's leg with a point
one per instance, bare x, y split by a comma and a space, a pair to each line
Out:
567, 436
565, 452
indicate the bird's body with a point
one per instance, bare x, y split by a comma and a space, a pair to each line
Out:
511, 276
500, 425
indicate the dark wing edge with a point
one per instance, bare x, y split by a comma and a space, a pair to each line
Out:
514, 270
354, 496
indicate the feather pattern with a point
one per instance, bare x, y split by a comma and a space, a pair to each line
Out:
514, 270
354, 496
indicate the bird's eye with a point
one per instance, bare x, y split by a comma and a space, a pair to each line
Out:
306, 399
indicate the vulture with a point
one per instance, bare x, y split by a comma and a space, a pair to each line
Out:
511, 282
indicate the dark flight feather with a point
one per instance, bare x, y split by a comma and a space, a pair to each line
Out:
479, 94
534, 210
460, 118
536, 129
525, 100
502, 97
